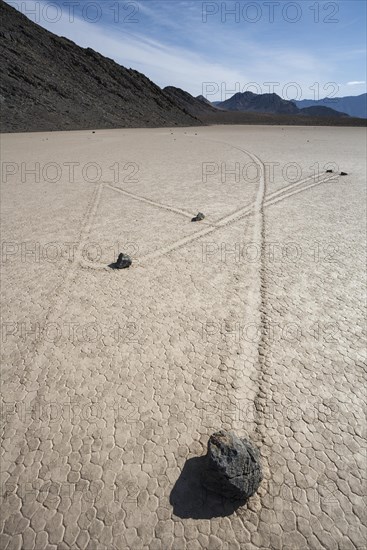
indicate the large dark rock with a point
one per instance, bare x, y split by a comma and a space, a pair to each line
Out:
123, 261
233, 467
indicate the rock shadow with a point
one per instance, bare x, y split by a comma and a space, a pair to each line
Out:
190, 499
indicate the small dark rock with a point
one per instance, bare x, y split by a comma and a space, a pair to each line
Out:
329, 171
93, 132
200, 216
233, 467
123, 261
343, 173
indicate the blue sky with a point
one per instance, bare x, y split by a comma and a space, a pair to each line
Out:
219, 48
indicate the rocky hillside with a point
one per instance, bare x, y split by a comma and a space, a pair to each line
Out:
204, 100
189, 103
50, 83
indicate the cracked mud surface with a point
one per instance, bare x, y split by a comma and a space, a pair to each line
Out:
251, 320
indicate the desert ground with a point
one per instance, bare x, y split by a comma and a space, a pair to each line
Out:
250, 320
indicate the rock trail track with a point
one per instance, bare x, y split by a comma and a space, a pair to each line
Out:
99, 449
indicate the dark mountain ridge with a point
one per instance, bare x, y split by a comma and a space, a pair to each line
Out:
271, 103
260, 103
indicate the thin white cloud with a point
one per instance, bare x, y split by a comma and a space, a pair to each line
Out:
184, 68
356, 83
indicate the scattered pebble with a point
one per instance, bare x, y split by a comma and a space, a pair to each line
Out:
200, 216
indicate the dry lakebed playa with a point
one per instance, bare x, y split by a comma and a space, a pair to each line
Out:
249, 320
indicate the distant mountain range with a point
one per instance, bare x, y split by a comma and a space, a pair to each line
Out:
247, 102
355, 106
253, 104
272, 103
49, 83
